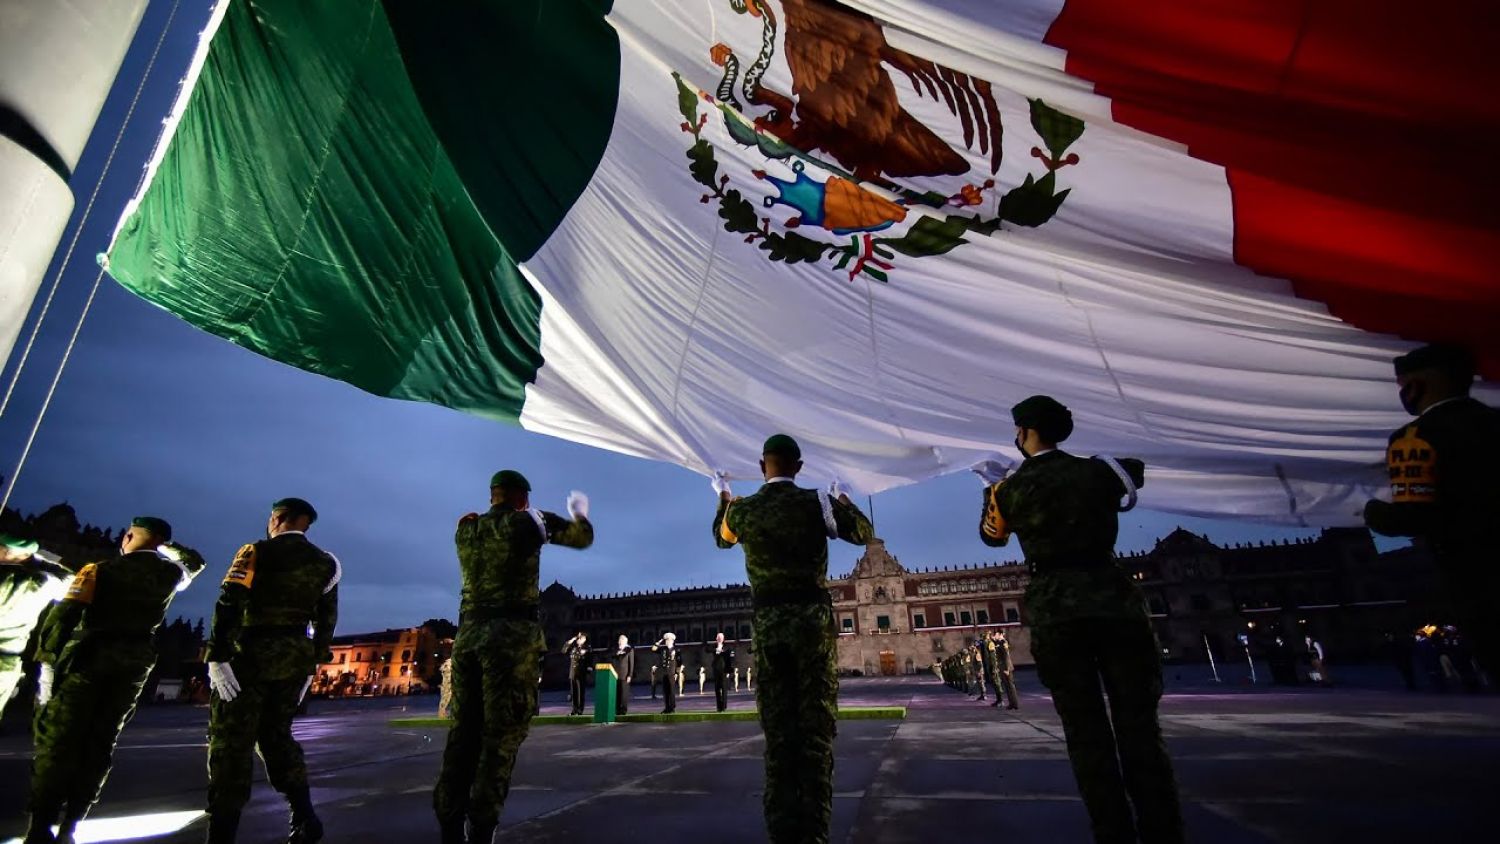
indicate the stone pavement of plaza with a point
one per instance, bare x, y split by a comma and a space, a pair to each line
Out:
1367, 763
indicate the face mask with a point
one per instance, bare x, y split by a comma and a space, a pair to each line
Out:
1411, 397
1022, 448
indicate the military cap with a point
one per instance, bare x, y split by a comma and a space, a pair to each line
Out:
157, 527
782, 445
297, 507
1445, 357
510, 479
17, 545
1046, 415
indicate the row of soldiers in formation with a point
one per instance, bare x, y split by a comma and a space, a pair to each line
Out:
272, 624
668, 668
986, 659
1089, 626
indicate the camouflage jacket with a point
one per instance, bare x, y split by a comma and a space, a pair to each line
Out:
1445, 480
273, 590
500, 556
783, 530
27, 588
1065, 511
118, 601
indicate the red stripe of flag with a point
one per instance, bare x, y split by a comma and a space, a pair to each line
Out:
1359, 137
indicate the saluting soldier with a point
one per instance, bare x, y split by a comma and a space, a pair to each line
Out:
1445, 487
577, 652
976, 668
96, 650
29, 583
1003, 670
1089, 621
669, 665
785, 530
260, 664
497, 650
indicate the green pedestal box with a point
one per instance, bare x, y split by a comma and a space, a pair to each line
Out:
604, 693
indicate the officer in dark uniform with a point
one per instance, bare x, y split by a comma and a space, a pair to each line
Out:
785, 530
96, 649
668, 661
577, 652
497, 650
623, 660
1445, 487
718, 655
260, 664
1090, 631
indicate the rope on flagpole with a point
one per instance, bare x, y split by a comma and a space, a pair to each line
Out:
57, 279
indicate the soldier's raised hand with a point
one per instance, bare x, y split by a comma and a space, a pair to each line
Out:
44, 685
578, 505
991, 471
721, 482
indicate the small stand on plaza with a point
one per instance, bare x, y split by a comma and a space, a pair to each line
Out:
604, 693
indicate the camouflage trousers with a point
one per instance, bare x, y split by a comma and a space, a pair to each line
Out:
796, 658
258, 719
75, 735
1118, 755
494, 696
1004, 679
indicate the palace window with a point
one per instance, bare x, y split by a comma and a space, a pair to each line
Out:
1012, 614
918, 621
948, 620
965, 618
848, 622
883, 622
983, 616
406, 655
744, 631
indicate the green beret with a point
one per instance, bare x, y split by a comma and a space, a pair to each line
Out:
510, 479
18, 545
1046, 415
782, 445
156, 527
1445, 357
297, 507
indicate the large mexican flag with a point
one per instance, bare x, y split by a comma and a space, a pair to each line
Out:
671, 227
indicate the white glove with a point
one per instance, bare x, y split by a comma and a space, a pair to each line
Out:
305, 686
991, 471
578, 505
720, 482
222, 680
837, 489
44, 685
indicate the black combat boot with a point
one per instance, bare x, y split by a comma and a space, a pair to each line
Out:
40, 830
481, 833
452, 831
222, 827
306, 828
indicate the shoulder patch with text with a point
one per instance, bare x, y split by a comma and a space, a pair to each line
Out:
242, 570
1413, 468
81, 589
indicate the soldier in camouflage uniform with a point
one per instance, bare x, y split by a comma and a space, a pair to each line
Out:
498, 648
1002, 669
96, 649
785, 531
29, 583
1089, 622
1445, 487
260, 664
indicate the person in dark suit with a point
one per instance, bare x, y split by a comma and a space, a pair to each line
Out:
623, 660
669, 661
718, 655
577, 651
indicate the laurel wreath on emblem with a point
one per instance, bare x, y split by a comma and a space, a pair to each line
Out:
861, 211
